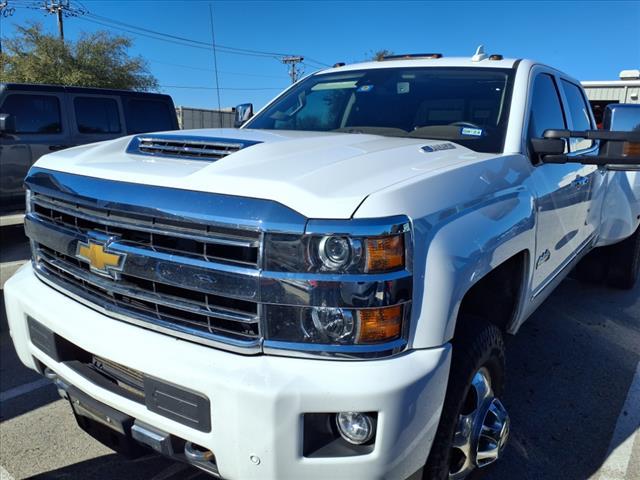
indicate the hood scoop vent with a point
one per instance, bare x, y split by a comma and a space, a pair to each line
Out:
186, 147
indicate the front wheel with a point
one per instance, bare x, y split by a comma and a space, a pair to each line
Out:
474, 425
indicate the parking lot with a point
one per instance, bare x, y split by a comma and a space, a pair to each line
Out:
571, 394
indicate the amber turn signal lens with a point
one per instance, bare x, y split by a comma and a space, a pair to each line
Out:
380, 324
631, 149
385, 253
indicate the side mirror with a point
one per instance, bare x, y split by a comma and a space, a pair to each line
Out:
244, 112
7, 123
619, 140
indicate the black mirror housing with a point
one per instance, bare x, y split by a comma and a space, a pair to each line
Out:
547, 146
244, 112
7, 123
619, 140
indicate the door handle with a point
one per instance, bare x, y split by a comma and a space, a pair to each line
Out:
53, 148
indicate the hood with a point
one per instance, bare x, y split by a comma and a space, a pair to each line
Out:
320, 175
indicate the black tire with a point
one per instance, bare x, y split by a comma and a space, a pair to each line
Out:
593, 267
624, 263
480, 345
615, 265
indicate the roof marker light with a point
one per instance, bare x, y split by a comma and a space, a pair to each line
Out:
408, 56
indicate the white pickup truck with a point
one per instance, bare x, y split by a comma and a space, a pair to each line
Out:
323, 293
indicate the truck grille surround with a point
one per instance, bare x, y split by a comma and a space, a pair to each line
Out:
161, 263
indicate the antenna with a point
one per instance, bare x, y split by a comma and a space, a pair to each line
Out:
479, 55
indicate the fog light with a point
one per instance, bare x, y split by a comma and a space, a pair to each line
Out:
355, 427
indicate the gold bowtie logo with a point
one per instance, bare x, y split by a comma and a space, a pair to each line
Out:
100, 261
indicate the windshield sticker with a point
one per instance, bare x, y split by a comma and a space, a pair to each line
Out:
438, 146
474, 132
365, 88
402, 87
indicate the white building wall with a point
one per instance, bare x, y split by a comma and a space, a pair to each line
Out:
190, 118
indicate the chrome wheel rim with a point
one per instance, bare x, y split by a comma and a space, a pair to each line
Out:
482, 429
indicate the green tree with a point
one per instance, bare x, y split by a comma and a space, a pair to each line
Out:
95, 60
379, 54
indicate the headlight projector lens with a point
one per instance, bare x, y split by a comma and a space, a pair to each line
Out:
355, 427
329, 324
335, 252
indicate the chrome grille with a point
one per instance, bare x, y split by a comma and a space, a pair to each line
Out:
196, 148
198, 311
180, 238
144, 291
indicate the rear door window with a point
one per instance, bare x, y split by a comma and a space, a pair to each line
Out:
97, 115
37, 114
148, 116
579, 112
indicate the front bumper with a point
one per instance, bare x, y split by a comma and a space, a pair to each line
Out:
257, 402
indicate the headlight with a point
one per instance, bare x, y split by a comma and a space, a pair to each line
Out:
334, 326
340, 288
334, 253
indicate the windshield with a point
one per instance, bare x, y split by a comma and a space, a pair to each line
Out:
469, 106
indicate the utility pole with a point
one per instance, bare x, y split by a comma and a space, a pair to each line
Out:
61, 9
295, 70
57, 7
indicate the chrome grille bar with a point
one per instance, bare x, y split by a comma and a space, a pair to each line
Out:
131, 290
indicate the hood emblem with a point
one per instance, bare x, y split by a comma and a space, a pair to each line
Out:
438, 147
95, 252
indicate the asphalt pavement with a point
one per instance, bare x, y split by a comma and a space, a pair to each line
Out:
573, 394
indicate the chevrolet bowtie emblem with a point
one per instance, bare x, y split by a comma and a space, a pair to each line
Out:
94, 252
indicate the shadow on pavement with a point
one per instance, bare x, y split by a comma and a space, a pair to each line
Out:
111, 467
568, 374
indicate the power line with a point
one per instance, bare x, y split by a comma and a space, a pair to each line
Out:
226, 72
193, 87
226, 48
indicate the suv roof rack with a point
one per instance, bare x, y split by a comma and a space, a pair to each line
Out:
408, 56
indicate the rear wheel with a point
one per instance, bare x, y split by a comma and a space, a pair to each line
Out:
616, 265
474, 425
624, 263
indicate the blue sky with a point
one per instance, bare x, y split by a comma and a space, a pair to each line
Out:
591, 40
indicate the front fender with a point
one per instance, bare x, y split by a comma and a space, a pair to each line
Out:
460, 251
